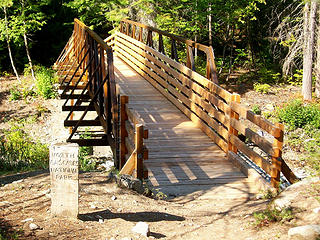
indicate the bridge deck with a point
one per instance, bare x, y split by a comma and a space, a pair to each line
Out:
182, 159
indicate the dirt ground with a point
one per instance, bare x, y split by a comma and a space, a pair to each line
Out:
176, 219
107, 211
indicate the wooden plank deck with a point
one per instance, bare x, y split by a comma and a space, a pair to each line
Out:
182, 159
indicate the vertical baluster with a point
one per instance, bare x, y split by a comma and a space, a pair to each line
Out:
121, 27
133, 33
161, 47
149, 39
174, 53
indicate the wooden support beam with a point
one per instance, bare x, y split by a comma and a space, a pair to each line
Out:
130, 164
139, 151
123, 132
276, 159
231, 129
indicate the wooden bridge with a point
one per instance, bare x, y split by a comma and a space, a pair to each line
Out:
163, 120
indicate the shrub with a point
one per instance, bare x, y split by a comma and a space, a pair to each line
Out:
264, 218
256, 109
262, 88
19, 152
45, 82
297, 115
86, 164
15, 94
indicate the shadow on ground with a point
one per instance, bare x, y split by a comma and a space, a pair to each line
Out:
16, 177
132, 217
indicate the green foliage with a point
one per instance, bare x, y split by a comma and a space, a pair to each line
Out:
19, 152
45, 81
15, 94
256, 109
296, 115
296, 79
264, 218
313, 160
86, 164
268, 75
262, 88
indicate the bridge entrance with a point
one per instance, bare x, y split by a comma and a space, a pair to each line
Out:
164, 121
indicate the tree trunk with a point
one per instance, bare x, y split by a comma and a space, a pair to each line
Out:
28, 55
8, 44
309, 26
26, 42
317, 70
210, 24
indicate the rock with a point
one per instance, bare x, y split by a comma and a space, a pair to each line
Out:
27, 220
141, 228
92, 206
113, 197
316, 210
33, 226
285, 198
269, 107
101, 220
18, 181
307, 232
127, 181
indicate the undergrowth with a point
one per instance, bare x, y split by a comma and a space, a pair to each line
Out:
86, 163
18, 151
43, 87
303, 124
267, 216
45, 81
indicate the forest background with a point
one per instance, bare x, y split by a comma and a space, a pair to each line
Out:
273, 40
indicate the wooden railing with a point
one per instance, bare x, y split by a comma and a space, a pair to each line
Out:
144, 33
216, 111
267, 139
133, 152
86, 64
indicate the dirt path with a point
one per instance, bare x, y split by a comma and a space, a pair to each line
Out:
179, 219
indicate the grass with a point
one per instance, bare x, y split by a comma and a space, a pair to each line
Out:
267, 216
19, 152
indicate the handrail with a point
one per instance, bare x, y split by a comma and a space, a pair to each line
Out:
208, 50
213, 109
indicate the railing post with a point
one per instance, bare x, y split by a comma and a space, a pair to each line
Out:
233, 115
140, 34
276, 158
211, 66
127, 29
133, 31
161, 47
190, 59
139, 151
121, 27
123, 132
